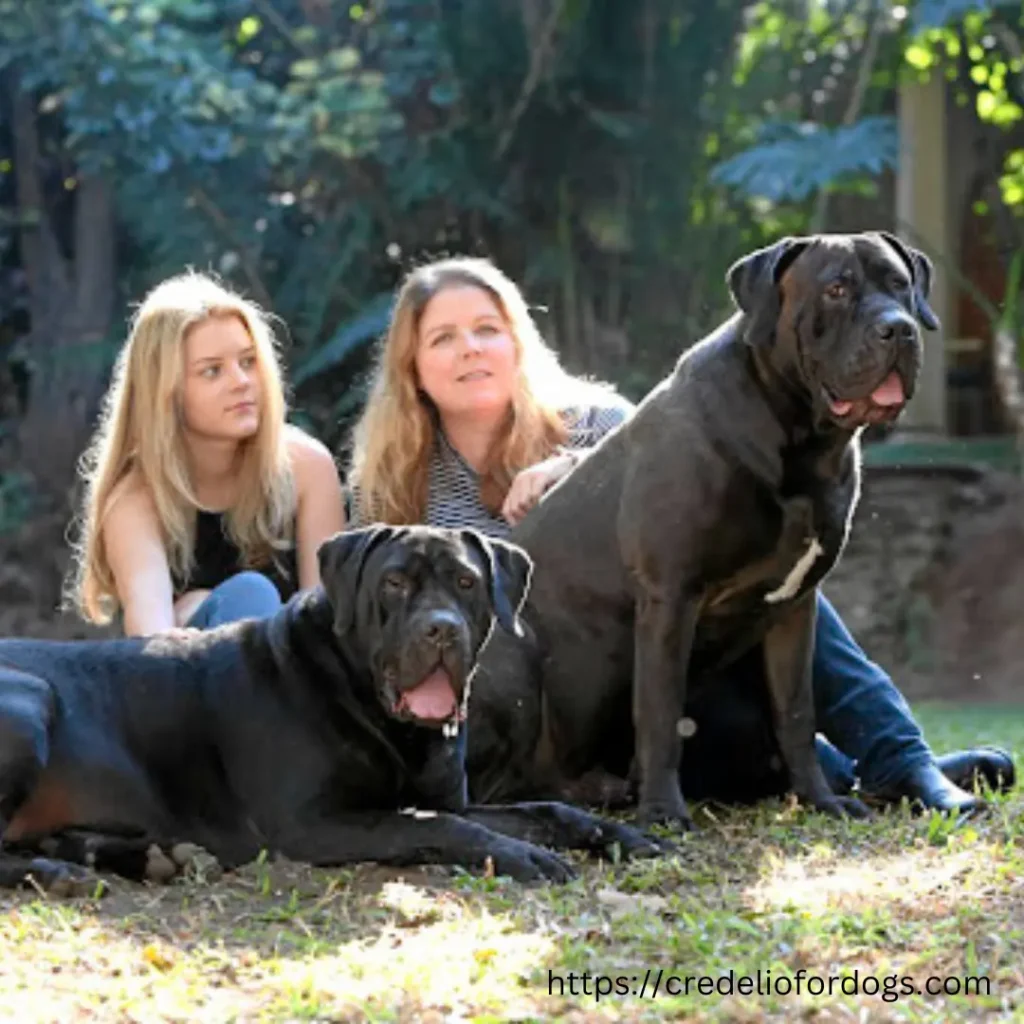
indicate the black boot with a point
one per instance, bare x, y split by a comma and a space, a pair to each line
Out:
991, 765
947, 783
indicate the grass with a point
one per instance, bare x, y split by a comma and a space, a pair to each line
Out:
889, 903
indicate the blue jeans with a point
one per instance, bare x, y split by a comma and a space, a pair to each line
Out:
868, 726
246, 595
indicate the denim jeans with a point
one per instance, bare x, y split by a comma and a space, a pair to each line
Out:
246, 595
867, 725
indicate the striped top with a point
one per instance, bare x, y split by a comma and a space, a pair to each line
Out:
453, 496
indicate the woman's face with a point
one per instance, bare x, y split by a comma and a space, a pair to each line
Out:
221, 386
465, 353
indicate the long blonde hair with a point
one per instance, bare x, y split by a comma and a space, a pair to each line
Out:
140, 432
393, 440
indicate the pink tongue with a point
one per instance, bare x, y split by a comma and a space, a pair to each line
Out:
840, 407
890, 391
433, 699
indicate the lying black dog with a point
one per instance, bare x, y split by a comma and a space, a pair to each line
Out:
700, 530
306, 733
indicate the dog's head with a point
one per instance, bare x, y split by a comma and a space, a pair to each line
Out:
417, 604
841, 314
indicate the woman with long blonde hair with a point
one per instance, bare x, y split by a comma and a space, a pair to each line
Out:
201, 504
471, 419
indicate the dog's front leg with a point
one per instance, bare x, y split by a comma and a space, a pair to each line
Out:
788, 654
564, 827
418, 837
665, 624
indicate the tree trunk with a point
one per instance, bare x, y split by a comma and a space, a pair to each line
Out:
71, 303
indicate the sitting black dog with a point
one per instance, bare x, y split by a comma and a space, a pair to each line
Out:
306, 734
677, 567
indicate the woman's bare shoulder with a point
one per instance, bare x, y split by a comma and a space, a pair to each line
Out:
130, 498
304, 447
312, 461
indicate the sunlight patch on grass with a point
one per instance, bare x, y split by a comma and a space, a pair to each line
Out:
845, 883
60, 963
467, 957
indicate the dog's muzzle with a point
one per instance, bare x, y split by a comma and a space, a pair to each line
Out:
897, 340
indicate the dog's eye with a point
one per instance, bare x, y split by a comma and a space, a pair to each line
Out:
837, 290
395, 584
466, 581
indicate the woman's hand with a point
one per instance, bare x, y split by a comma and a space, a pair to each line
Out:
531, 483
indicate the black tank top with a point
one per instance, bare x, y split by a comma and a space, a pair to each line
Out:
216, 558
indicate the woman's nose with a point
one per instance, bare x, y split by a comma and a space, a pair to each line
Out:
470, 340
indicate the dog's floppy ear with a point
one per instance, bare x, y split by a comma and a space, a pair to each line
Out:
753, 278
509, 569
341, 559
921, 272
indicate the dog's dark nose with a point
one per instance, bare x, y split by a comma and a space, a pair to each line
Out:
442, 629
899, 329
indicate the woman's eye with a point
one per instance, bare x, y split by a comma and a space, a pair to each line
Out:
209, 372
248, 362
487, 330
442, 338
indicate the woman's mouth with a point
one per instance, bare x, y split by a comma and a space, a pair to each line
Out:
473, 375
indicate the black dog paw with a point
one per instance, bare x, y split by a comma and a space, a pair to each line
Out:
672, 814
528, 863
60, 878
843, 807
631, 842
582, 830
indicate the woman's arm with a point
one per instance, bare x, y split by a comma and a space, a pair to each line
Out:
586, 429
321, 507
138, 561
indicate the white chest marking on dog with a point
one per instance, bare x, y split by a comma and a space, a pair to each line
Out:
791, 584
415, 812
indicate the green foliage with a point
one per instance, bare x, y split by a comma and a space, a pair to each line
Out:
368, 324
793, 161
613, 157
804, 66
986, 34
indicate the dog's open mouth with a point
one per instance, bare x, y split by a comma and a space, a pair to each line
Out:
884, 403
432, 699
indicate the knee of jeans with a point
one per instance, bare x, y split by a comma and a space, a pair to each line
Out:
247, 593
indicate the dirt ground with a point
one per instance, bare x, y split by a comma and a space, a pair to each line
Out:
932, 582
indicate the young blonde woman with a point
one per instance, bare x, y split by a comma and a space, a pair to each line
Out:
471, 418
202, 505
